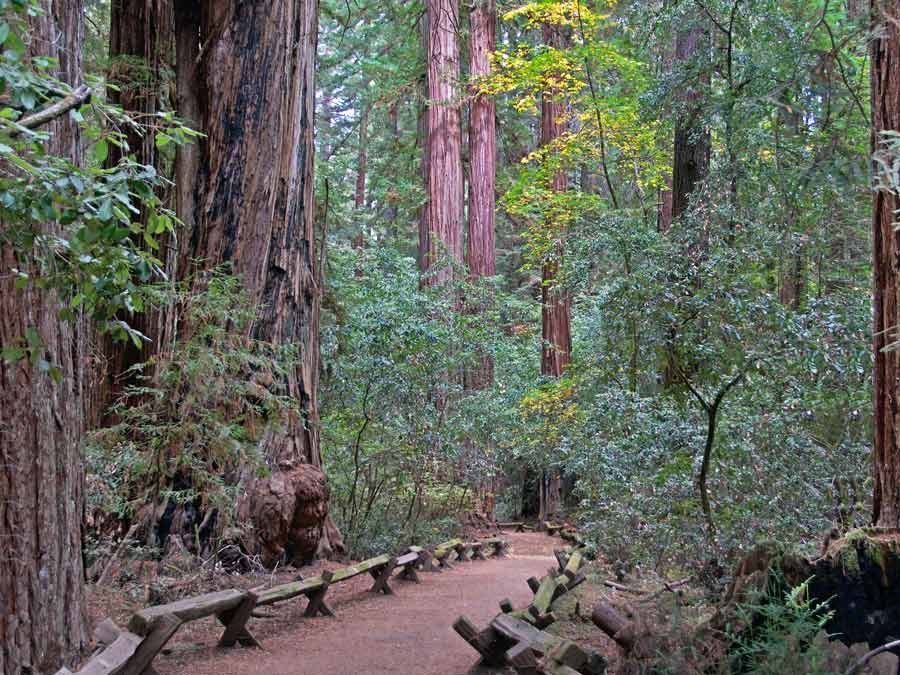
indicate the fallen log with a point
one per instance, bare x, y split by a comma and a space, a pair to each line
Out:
611, 622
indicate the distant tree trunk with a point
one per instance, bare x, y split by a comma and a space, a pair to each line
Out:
425, 145
445, 176
555, 301
254, 208
692, 140
885, 97
42, 608
480, 252
359, 200
556, 347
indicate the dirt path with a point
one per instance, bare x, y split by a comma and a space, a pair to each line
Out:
407, 632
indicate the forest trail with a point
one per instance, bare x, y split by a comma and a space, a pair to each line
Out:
375, 634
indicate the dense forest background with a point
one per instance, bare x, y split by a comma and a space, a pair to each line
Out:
327, 278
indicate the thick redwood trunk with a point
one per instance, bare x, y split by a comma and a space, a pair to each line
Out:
445, 172
885, 78
42, 609
692, 140
140, 51
254, 208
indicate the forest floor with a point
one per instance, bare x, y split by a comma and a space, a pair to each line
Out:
410, 631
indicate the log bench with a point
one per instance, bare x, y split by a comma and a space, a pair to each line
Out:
443, 552
509, 640
407, 564
499, 546
380, 568
552, 528
519, 527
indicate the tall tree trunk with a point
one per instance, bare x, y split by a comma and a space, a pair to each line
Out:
885, 88
362, 159
445, 175
556, 346
425, 145
42, 608
254, 209
480, 249
555, 301
140, 46
692, 140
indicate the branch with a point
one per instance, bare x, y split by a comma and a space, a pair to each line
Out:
875, 652
78, 97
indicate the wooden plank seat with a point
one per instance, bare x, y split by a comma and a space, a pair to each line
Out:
314, 589
518, 527
552, 528
463, 551
380, 568
571, 535
476, 549
425, 562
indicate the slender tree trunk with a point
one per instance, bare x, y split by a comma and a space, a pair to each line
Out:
425, 144
42, 608
445, 176
359, 200
555, 301
692, 140
480, 250
885, 93
556, 346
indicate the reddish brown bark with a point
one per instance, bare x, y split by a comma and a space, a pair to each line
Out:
445, 172
692, 140
254, 206
482, 145
362, 159
885, 97
42, 608
555, 301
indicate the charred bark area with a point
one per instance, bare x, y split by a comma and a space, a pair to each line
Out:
885, 93
42, 609
443, 118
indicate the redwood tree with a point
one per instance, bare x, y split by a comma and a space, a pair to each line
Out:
253, 208
885, 102
42, 608
444, 178
556, 309
480, 253
692, 140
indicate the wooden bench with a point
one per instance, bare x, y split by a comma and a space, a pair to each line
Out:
380, 568
443, 552
314, 589
426, 561
407, 564
552, 528
571, 535
509, 640
499, 546
519, 527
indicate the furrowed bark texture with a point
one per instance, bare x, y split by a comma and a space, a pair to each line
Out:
254, 209
42, 609
692, 141
885, 78
482, 145
556, 345
140, 49
445, 174
480, 249
555, 301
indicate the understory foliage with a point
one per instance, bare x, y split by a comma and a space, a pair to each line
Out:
187, 431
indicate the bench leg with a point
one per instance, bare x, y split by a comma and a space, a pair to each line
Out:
478, 553
382, 575
409, 573
163, 629
317, 603
235, 622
